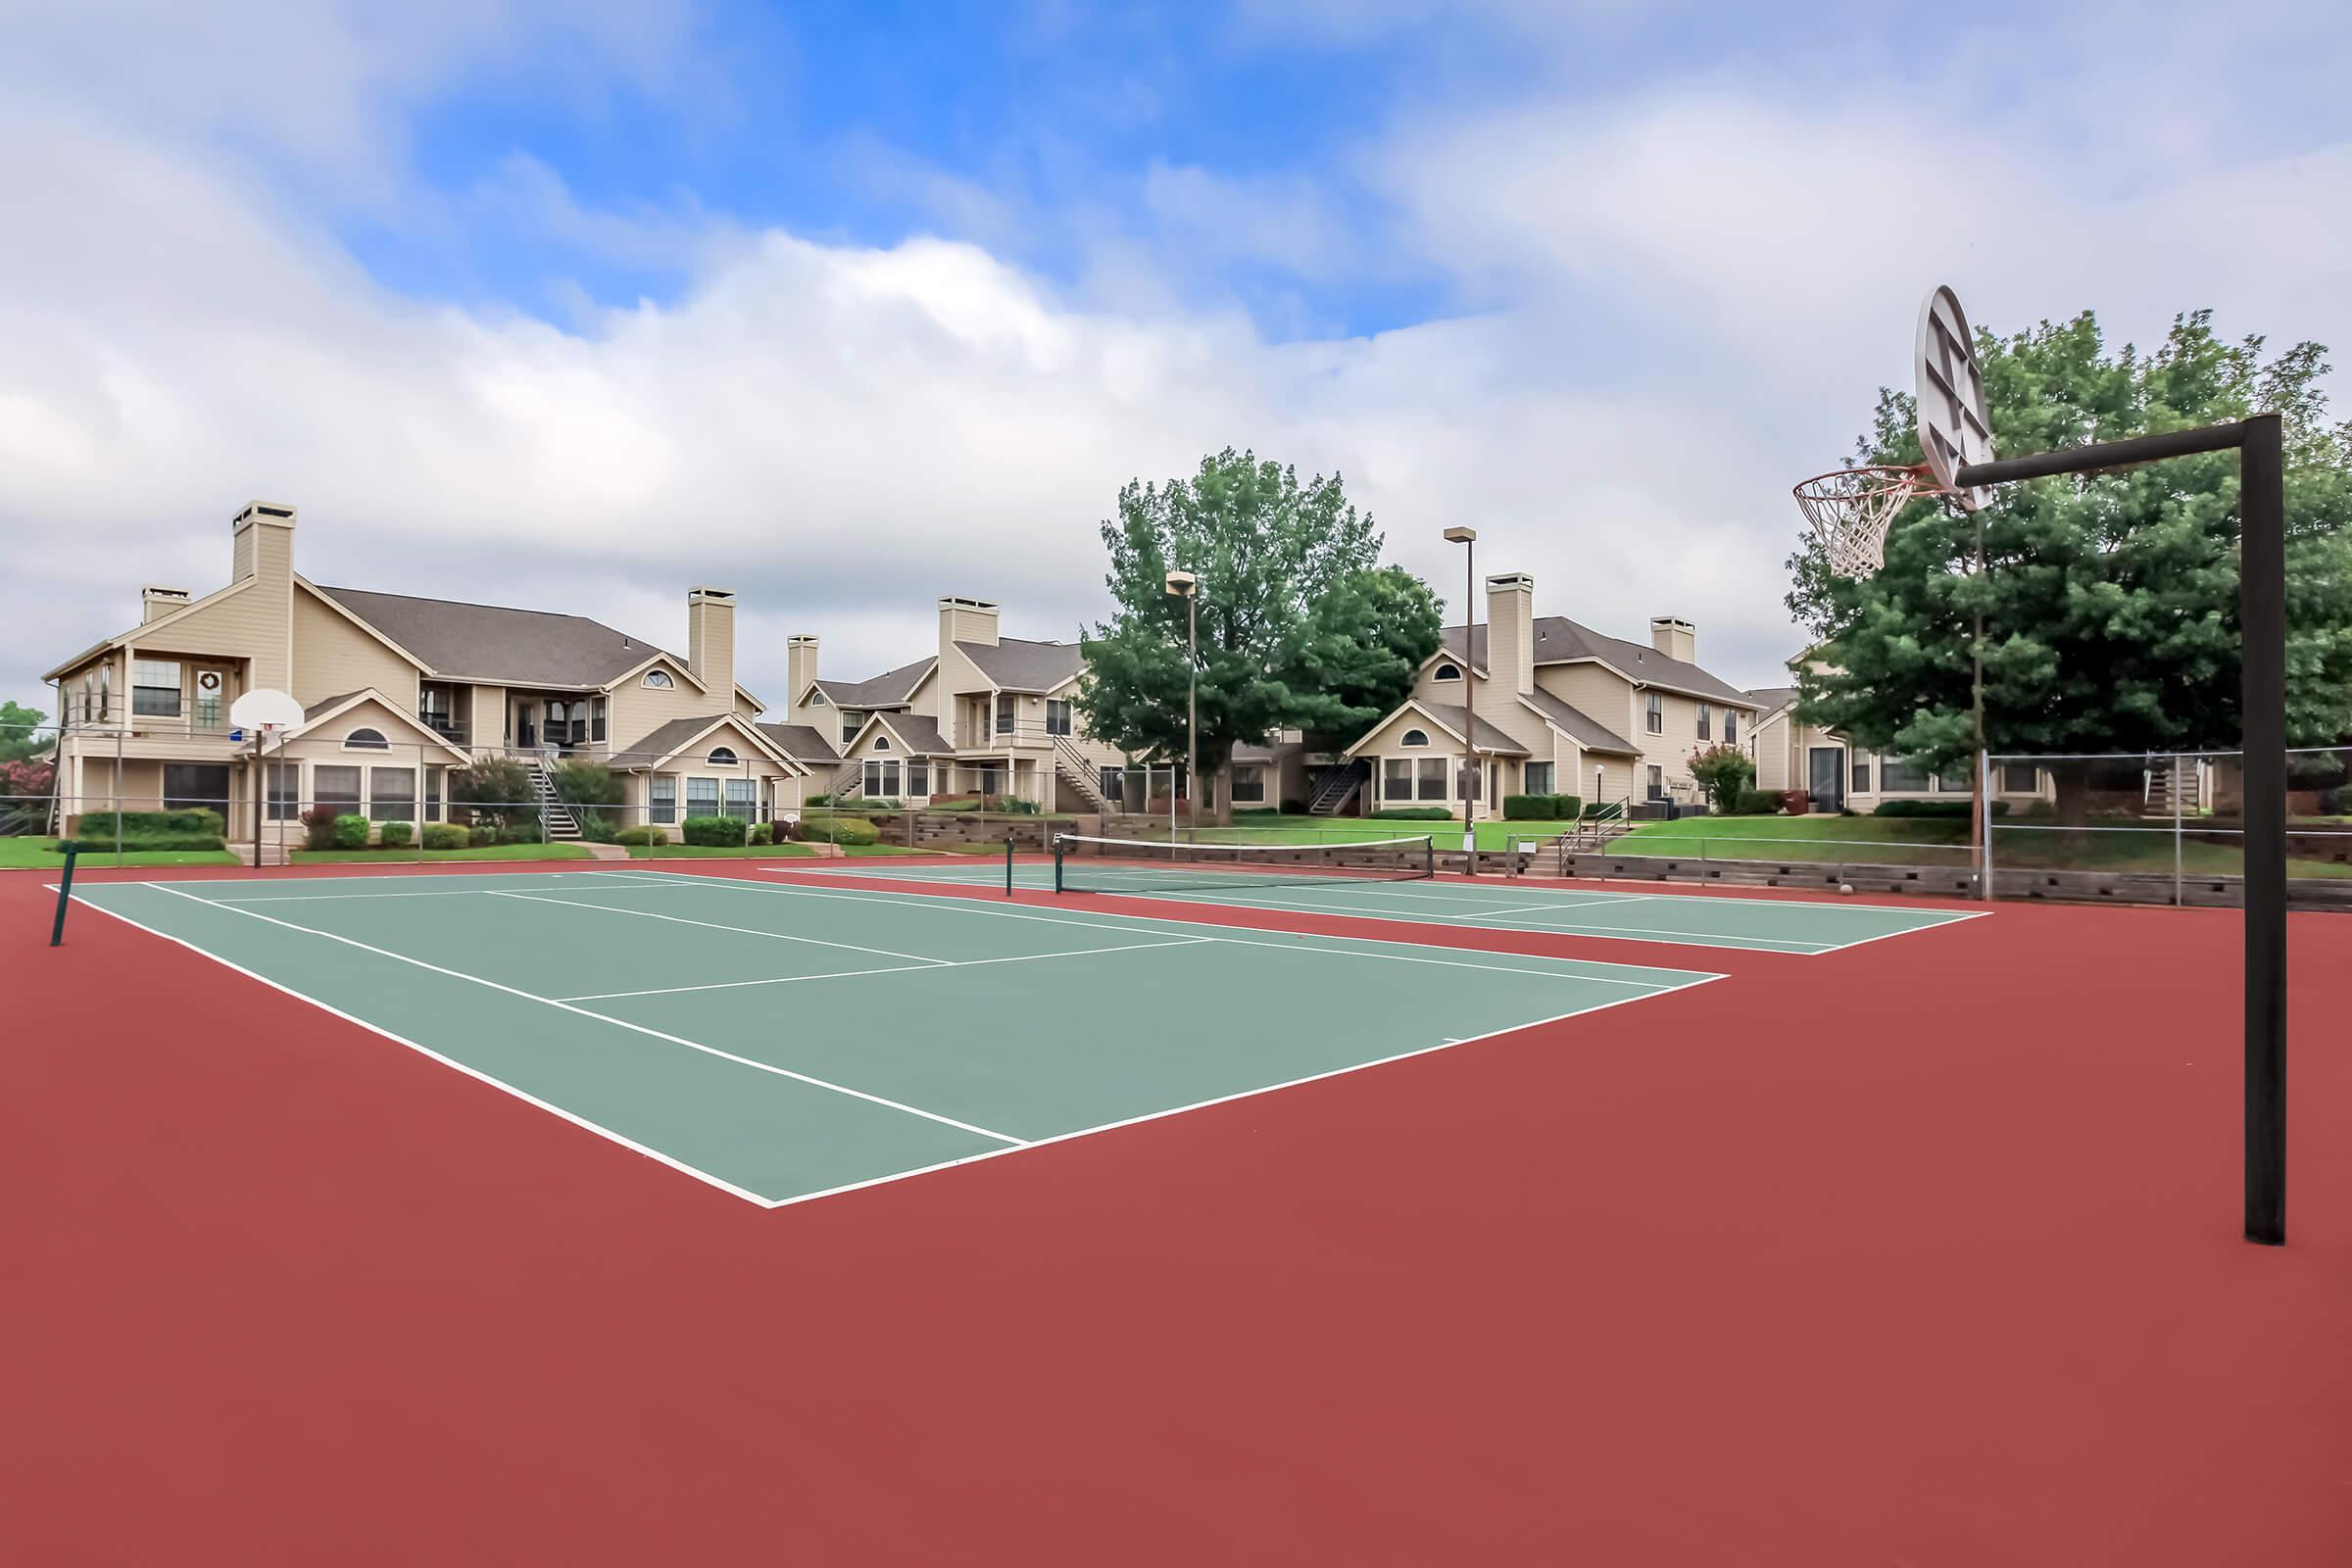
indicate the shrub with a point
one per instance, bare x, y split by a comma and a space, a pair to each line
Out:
351, 832
1292, 805
642, 835
318, 828
150, 842
446, 836
1723, 774
498, 789
1934, 809
1758, 803
150, 824
720, 832
1413, 813
763, 833
854, 830
1529, 809
396, 835
1015, 806
486, 834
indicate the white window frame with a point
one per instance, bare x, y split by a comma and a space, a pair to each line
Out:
375, 741
1446, 672
658, 681
1414, 738
1653, 715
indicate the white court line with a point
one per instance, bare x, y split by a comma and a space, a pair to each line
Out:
500, 1084
618, 1023
895, 968
1296, 945
741, 930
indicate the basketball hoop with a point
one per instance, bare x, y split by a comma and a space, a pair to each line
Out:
1851, 509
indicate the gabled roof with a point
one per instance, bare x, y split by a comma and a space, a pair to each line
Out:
491, 642
893, 688
1770, 700
1016, 664
1561, 641
1573, 722
919, 733
327, 708
802, 742
1457, 722
140, 632
666, 741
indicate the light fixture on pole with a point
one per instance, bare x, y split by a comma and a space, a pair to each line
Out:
1187, 587
1467, 538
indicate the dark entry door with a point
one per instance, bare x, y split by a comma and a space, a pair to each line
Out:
1827, 777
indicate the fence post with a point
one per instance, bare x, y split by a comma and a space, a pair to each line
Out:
118, 798
2177, 848
1984, 825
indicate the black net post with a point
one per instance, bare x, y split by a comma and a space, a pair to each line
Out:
1060, 847
65, 893
1009, 862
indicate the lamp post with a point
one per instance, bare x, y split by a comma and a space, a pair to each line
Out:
1467, 538
1187, 587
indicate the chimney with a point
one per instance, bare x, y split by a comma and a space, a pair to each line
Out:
966, 621
1674, 637
155, 602
1510, 646
800, 668
711, 642
262, 552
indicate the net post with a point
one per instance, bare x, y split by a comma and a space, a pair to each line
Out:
1060, 849
65, 893
1984, 825
1428, 854
1009, 862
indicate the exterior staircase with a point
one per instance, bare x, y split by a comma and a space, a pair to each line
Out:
557, 816
2180, 778
1336, 788
1079, 773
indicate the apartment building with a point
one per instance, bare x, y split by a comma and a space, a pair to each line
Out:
1529, 705
981, 712
397, 692
1838, 775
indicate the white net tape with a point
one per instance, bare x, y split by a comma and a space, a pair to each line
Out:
1851, 509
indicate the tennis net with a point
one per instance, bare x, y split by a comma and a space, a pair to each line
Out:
1083, 865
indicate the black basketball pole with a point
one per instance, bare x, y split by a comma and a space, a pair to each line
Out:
2262, 617
2262, 626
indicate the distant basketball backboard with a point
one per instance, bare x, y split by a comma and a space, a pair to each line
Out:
264, 709
1954, 427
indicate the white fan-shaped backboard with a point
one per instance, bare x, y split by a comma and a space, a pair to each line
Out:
1954, 427
263, 709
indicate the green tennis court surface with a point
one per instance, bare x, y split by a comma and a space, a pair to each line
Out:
1762, 925
784, 1042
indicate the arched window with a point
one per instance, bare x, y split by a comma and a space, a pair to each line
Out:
722, 757
1447, 672
816, 699
881, 742
658, 679
1413, 737
365, 740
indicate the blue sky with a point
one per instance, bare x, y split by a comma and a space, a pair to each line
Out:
853, 306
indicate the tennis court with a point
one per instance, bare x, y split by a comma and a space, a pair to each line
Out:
1357, 880
784, 1042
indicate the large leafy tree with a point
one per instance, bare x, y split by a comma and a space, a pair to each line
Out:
2109, 602
21, 733
1299, 625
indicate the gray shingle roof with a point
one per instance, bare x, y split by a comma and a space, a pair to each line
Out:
890, 689
1559, 640
665, 739
1770, 700
326, 704
1585, 731
921, 732
1017, 665
802, 742
490, 642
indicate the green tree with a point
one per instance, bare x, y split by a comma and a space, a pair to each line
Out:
2109, 602
1355, 653
1289, 595
1722, 773
20, 732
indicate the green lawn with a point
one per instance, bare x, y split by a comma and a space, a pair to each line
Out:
486, 852
24, 852
1943, 840
1278, 828
719, 852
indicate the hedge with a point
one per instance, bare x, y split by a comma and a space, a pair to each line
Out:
642, 835
198, 821
763, 833
446, 836
1414, 813
351, 832
1941, 808
1758, 803
147, 843
722, 832
396, 835
851, 830
1540, 808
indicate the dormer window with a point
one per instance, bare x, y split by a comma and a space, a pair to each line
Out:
816, 699
658, 681
722, 757
365, 740
881, 742
1413, 737
1447, 672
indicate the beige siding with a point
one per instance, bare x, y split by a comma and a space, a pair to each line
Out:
247, 625
1427, 688
332, 658
636, 710
948, 693
1594, 691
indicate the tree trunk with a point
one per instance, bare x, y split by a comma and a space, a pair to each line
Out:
1220, 811
2072, 783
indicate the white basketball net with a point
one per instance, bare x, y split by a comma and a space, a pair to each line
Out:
1851, 509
